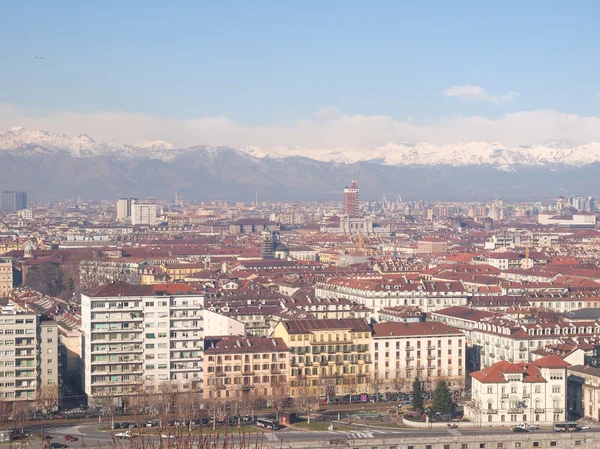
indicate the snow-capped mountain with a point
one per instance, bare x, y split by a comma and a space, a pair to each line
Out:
393, 154
57, 166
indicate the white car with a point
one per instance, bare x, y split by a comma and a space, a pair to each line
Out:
164, 436
528, 427
584, 427
124, 434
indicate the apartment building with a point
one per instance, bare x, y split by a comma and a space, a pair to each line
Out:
143, 214
245, 367
140, 336
378, 292
515, 340
327, 357
6, 277
506, 393
425, 351
29, 356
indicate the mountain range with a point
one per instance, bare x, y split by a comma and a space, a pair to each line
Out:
55, 166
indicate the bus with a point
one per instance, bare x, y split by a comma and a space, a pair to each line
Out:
268, 423
565, 427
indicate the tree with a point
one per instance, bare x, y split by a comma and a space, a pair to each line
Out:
417, 400
306, 402
376, 384
399, 382
46, 278
279, 397
442, 398
47, 398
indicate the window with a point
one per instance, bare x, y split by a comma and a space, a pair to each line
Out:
553, 443
500, 445
428, 446
481, 445
536, 444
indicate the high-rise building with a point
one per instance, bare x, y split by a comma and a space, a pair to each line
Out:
13, 201
124, 208
6, 277
143, 214
139, 337
351, 200
28, 358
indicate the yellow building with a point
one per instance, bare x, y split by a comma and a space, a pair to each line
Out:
328, 357
6, 277
8, 245
179, 271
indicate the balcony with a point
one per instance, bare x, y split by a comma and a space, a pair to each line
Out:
526, 395
430, 357
409, 348
490, 411
539, 410
515, 411
431, 348
504, 396
558, 410
409, 358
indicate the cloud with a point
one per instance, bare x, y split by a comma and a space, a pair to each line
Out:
328, 113
344, 133
478, 93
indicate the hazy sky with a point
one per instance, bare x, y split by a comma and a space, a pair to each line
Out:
304, 72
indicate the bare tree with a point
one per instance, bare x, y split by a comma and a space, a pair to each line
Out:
376, 384
279, 396
306, 402
399, 382
47, 398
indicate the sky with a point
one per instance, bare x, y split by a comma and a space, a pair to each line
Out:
307, 73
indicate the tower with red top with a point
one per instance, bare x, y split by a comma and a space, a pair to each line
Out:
351, 200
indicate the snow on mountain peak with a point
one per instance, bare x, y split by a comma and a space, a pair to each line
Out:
400, 154
154, 145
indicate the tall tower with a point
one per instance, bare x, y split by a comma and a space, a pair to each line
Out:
267, 248
351, 200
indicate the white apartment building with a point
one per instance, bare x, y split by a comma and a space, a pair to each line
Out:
507, 393
514, 341
378, 292
137, 337
143, 214
28, 356
427, 351
6, 277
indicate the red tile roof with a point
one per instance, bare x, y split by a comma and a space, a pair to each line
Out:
395, 329
306, 326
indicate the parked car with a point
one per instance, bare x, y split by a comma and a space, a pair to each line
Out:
584, 427
519, 429
70, 438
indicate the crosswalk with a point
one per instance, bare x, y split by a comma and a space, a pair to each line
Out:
357, 435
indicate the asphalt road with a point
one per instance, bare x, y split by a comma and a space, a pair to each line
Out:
88, 434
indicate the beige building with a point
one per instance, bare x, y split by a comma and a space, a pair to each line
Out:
328, 357
424, 351
583, 394
6, 277
245, 367
28, 358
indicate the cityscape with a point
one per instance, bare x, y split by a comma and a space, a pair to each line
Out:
300, 225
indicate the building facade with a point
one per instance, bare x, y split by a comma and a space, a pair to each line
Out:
506, 393
327, 357
6, 277
13, 201
143, 214
429, 352
28, 358
139, 337
352, 200
245, 367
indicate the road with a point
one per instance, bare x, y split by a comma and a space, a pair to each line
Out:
89, 434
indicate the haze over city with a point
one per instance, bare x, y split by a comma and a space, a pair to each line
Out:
300, 225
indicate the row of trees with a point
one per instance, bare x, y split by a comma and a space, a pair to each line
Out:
442, 397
